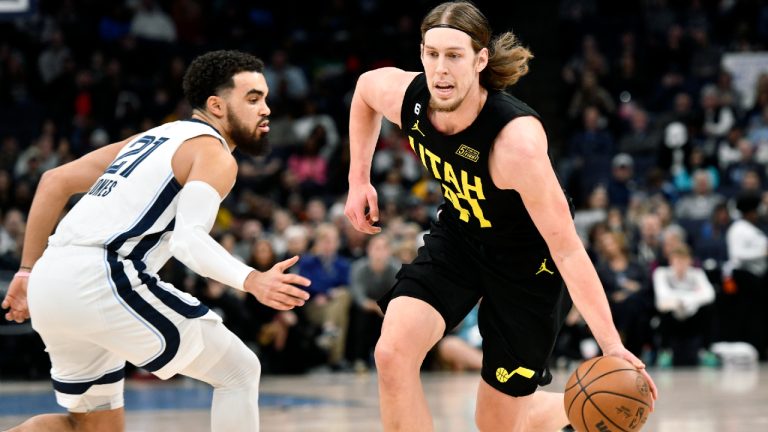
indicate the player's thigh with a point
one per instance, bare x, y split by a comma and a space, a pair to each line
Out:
411, 328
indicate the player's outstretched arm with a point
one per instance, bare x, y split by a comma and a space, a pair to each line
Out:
519, 161
56, 187
208, 172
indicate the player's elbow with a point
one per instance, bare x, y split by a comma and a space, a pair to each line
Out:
181, 245
52, 180
563, 244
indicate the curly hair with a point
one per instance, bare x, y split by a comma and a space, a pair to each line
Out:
212, 72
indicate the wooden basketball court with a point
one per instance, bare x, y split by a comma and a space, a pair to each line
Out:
691, 400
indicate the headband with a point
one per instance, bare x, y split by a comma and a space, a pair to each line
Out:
451, 26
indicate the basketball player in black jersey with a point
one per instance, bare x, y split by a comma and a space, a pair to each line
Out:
504, 233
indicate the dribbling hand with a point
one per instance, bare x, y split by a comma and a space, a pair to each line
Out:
275, 288
625, 354
359, 198
16, 300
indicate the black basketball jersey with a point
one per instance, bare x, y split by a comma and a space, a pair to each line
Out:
473, 204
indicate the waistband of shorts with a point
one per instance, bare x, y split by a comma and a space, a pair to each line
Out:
514, 249
70, 250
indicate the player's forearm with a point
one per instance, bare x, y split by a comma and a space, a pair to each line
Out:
191, 244
47, 205
588, 296
364, 128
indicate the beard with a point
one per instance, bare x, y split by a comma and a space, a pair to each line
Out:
439, 106
249, 142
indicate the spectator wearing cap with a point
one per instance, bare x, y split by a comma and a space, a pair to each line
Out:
621, 186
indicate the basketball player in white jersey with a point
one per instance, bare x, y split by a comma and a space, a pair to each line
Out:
94, 294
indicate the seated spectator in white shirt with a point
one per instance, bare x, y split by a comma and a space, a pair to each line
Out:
682, 294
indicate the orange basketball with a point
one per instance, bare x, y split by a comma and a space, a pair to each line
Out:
607, 394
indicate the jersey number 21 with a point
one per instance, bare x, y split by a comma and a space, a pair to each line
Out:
129, 160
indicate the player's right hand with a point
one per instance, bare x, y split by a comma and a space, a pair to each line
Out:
16, 300
277, 289
623, 353
360, 197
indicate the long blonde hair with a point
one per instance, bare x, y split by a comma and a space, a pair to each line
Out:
507, 59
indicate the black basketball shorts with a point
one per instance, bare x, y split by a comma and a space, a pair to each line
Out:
524, 302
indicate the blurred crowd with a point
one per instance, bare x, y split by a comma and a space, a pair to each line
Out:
664, 157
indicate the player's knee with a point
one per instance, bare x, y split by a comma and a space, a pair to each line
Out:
249, 373
385, 356
394, 356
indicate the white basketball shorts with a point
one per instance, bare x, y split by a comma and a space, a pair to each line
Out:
95, 310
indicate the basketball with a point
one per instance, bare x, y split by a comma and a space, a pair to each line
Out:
607, 394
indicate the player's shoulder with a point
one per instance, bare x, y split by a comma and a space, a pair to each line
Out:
207, 150
388, 81
524, 136
391, 73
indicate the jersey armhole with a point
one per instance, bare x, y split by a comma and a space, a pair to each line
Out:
407, 112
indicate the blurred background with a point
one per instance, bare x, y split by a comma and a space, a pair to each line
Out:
656, 112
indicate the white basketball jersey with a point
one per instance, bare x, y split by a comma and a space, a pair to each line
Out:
131, 208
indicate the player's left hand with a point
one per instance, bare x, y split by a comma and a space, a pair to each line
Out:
621, 352
16, 300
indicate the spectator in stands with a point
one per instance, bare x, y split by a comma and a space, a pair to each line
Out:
682, 294
589, 153
648, 246
296, 240
641, 141
370, 278
591, 93
672, 237
718, 118
150, 22
748, 261
595, 212
698, 205
308, 167
683, 174
282, 336
709, 242
328, 306
288, 82
52, 59
621, 185
461, 349
626, 285
736, 170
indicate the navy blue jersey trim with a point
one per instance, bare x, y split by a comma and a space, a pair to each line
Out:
137, 258
152, 316
78, 388
203, 122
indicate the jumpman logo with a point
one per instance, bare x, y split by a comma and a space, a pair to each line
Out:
544, 268
416, 128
